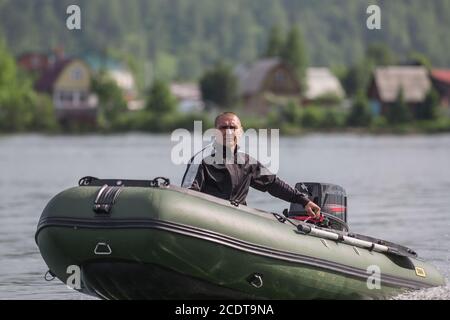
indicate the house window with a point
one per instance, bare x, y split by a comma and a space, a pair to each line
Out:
279, 80
65, 96
280, 77
83, 96
77, 74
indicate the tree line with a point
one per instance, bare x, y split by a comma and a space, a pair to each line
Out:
179, 39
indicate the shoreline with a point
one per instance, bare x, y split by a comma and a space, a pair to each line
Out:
299, 133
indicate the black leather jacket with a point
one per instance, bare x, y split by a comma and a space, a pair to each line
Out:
232, 181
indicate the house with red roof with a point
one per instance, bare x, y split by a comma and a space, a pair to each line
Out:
68, 82
441, 81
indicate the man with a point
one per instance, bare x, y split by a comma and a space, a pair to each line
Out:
223, 171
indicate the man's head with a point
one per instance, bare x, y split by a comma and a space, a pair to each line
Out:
230, 129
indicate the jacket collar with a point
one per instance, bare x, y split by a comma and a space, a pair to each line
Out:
220, 149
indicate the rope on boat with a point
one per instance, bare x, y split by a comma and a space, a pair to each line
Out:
315, 232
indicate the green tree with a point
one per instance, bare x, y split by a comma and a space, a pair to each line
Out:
275, 42
16, 95
398, 112
166, 66
417, 58
380, 54
236, 30
427, 110
357, 77
219, 85
160, 100
294, 53
360, 114
111, 98
44, 118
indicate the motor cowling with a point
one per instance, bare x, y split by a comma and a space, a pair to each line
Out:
331, 198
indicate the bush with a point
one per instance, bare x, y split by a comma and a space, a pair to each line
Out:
132, 121
159, 123
332, 119
254, 123
187, 121
435, 126
380, 122
312, 117
328, 99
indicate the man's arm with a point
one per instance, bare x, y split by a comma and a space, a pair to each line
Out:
263, 180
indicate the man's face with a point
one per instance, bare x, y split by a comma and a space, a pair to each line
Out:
230, 130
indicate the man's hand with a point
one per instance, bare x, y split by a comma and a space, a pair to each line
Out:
313, 210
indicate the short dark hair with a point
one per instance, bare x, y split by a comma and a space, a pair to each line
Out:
226, 113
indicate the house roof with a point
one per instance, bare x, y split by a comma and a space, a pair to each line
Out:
30, 54
413, 80
320, 81
48, 77
251, 77
33, 61
96, 63
442, 75
185, 91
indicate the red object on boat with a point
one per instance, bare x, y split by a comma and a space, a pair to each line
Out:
334, 208
309, 219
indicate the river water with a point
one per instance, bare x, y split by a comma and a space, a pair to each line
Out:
398, 189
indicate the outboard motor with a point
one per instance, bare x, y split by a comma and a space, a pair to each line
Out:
331, 198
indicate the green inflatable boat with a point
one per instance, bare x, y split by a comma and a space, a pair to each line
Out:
128, 239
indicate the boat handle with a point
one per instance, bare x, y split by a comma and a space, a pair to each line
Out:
102, 248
